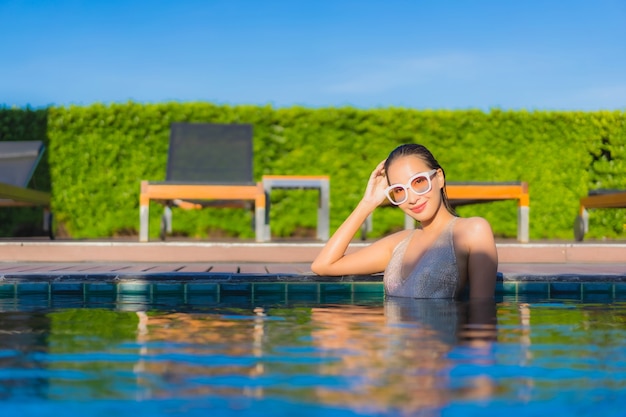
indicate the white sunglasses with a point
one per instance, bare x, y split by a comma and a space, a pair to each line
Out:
419, 183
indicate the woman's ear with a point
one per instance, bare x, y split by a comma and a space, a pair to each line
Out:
441, 178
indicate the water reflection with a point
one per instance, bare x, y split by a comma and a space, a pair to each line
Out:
22, 336
400, 356
370, 358
400, 359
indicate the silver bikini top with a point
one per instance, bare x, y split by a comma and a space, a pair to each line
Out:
436, 274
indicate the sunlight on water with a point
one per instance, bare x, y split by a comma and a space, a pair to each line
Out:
391, 357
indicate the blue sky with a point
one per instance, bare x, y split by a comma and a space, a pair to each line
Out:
483, 54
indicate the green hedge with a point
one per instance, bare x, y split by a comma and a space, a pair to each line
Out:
99, 154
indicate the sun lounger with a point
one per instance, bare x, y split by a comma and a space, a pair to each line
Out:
465, 193
18, 161
321, 183
596, 199
209, 165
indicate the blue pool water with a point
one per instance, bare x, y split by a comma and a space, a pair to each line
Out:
360, 356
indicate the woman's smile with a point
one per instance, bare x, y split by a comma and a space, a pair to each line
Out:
418, 208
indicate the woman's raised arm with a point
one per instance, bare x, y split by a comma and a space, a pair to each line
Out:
333, 260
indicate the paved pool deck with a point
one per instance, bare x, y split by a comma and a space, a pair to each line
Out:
246, 260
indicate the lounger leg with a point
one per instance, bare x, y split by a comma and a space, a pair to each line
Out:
259, 224
523, 224
166, 222
267, 233
167, 213
144, 216
323, 212
267, 230
46, 220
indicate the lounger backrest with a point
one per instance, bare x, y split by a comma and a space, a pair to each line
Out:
18, 160
210, 153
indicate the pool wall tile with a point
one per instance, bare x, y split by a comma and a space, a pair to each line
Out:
7, 289
33, 287
202, 298
564, 296
133, 297
168, 287
270, 298
34, 300
278, 290
132, 302
235, 298
309, 297
169, 298
367, 287
620, 288
202, 287
533, 288
568, 288
66, 287
509, 288
598, 297
100, 298
336, 297
63, 299
362, 297
270, 287
309, 288
335, 287
239, 287
597, 288
134, 288
100, 287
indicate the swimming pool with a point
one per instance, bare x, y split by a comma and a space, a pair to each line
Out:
285, 348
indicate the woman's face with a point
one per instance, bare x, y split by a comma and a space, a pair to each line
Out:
412, 191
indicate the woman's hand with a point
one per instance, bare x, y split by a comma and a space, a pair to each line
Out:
333, 260
375, 191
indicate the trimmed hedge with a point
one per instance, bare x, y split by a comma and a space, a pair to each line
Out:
99, 154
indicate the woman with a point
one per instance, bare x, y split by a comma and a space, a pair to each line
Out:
439, 259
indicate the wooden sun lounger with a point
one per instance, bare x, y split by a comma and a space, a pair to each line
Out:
465, 193
321, 183
184, 194
12, 196
596, 199
208, 165
18, 161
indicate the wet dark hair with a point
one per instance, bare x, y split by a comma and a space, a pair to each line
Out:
425, 155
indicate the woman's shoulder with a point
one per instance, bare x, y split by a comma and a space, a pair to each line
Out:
472, 228
472, 223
